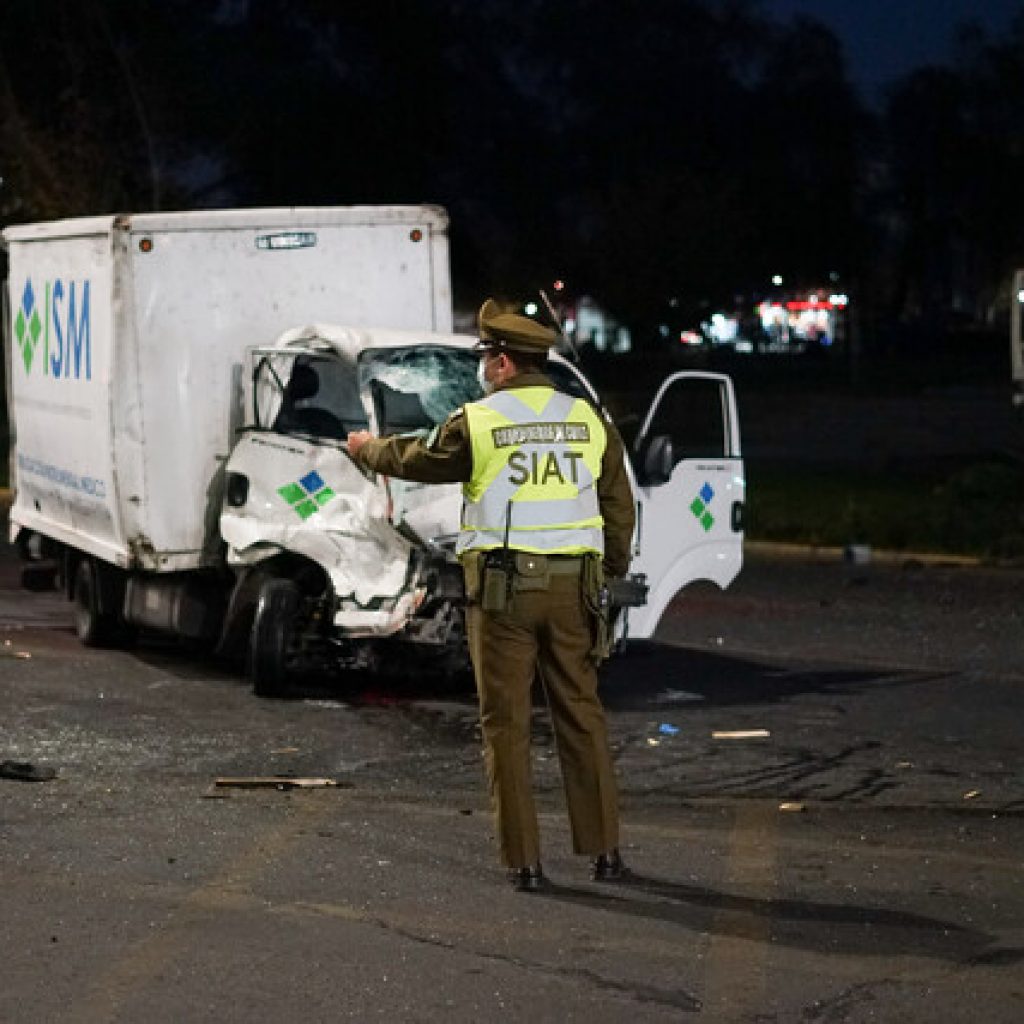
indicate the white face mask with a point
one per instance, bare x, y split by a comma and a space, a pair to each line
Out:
485, 385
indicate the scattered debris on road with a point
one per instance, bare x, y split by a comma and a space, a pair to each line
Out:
740, 734
25, 771
667, 729
273, 782
972, 793
792, 807
677, 696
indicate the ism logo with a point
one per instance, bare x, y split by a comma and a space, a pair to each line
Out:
701, 506
60, 325
307, 496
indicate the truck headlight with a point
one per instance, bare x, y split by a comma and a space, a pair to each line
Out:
237, 492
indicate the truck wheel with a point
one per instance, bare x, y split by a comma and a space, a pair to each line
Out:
273, 629
93, 628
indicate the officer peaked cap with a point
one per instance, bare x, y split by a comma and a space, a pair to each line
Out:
513, 331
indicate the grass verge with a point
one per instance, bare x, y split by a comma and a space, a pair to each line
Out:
976, 509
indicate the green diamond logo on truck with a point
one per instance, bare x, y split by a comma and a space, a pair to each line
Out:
27, 326
701, 507
308, 495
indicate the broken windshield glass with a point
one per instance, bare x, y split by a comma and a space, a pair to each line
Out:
417, 388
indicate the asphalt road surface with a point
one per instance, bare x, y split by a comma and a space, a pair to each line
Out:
860, 862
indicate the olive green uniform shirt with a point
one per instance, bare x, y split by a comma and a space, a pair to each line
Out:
445, 456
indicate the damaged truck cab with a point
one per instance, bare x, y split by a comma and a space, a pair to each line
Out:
333, 559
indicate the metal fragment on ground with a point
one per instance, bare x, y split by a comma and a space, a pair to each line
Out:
25, 771
273, 782
677, 696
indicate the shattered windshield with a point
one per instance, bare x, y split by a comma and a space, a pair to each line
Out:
416, 388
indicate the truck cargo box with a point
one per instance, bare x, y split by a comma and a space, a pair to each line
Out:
127, 338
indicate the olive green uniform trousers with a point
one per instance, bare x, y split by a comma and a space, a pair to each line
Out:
545, 633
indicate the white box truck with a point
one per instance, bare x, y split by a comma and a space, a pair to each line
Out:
179, 442
126, 341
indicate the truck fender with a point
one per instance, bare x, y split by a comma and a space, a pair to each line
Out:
245, 594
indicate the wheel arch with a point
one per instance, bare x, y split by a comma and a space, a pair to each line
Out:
311, 578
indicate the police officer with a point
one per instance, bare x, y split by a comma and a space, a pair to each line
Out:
548, 509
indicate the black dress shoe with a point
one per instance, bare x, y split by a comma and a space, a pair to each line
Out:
529, 879
608, 867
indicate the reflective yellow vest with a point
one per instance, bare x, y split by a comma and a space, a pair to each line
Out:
536, 460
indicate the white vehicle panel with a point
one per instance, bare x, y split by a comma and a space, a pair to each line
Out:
311, 499
192, 339
676, 548
432, 512
61, 369
690, 526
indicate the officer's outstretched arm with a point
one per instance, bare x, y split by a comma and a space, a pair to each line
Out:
444, 456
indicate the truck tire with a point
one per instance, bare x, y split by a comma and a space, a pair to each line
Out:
94, 629
273, 631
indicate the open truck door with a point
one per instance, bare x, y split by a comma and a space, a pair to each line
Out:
691, 493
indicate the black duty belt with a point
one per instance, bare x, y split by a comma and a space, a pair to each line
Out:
531, 562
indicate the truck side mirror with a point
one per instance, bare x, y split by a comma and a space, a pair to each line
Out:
658, 461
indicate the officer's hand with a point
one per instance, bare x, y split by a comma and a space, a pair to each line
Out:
356, 440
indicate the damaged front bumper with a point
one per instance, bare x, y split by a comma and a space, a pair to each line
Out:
296, 499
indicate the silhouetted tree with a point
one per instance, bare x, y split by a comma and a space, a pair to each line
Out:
676, 149
955, 144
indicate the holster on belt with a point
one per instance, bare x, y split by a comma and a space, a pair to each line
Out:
496, 580
595, 600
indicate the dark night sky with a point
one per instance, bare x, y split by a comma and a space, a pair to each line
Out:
884, 39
